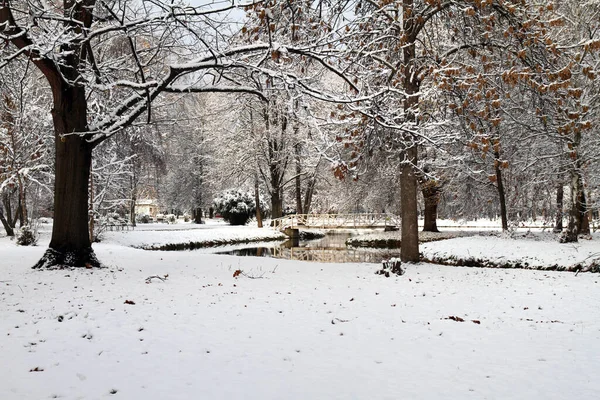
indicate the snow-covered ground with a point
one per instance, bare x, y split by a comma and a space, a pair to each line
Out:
215, 232
531, 250
301, 331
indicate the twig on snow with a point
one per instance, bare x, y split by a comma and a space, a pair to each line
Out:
162, 278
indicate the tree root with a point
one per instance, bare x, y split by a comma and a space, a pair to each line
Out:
68, 259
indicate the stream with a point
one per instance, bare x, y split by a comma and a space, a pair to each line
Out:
330, 249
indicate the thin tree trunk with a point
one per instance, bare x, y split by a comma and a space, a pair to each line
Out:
560, 193
20, 212
9, 229
501, 192
431, 196
133, 200
257, 202
572, 231
309, 194
23, 219
297, 179
584, 228
8, 208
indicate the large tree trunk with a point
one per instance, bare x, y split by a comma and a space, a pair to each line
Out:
560, 193
409, 244
276, 204
70, 245
91, 208
198, 215
501, 192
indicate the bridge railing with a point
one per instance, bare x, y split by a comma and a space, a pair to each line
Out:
332, 221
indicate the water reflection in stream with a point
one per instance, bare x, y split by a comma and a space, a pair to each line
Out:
332, 248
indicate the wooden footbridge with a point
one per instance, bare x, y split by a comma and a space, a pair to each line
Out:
336, 221
333, 255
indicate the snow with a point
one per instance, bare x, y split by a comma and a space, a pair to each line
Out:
150, 236
302, 331
537, 249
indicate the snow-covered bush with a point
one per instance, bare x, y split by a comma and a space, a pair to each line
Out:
236, 207
171, 219
26, 236
143, 218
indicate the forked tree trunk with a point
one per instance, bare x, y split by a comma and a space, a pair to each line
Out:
560, 194
70, 245
431, 196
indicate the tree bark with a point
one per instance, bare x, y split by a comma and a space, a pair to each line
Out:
309, 194
257, 202
133, 199
571, 233
9, 229
23, 219
431, 196
575, 208
91, 207
8, 209
584, 227
501, 192
276, 204
409, 244
560, 193
70, 245
198, 215
297, 179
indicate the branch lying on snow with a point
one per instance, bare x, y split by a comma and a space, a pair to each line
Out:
590, 264
239, 272
162, 278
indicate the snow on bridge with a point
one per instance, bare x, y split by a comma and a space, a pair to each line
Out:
336, 221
